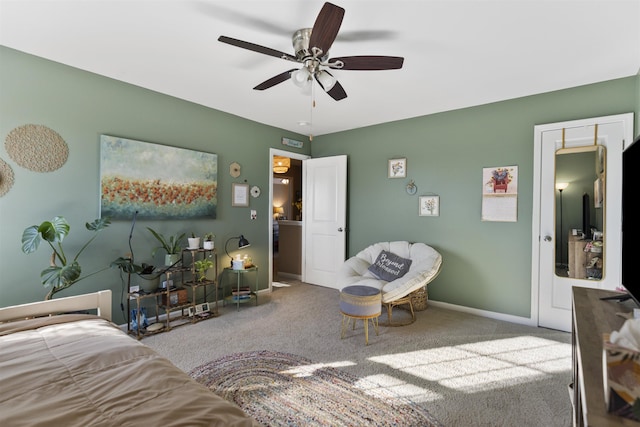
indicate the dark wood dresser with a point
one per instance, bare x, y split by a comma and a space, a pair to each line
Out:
592, 318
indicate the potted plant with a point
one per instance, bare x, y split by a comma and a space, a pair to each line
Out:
194, 242
208, 241
172, 245
201, 266
62, 271
150, 280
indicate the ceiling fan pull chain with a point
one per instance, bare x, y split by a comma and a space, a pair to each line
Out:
313, 105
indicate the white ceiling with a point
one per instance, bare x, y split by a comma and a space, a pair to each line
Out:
458, 53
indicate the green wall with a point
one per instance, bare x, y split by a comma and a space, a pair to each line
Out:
487, 265
81, 106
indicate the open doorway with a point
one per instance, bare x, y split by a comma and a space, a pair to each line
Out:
286, 225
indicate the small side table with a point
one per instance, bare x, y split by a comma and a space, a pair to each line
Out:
239, 298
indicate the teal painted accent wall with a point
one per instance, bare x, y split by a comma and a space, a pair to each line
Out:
81, 106
486, 265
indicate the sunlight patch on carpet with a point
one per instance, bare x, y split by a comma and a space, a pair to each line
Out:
485, 365
400, 388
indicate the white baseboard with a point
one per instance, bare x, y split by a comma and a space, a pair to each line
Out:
484, 313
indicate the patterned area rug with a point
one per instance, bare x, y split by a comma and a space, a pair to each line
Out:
280, 389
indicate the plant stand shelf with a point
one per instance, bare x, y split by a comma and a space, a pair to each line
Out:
175, 305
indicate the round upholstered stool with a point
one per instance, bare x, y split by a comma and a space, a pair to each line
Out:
360, 302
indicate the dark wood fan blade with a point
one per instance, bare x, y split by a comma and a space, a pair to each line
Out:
282, 77
326, 27
257, 48
337, 92
366, 63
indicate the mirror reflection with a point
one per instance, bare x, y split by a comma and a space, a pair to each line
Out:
580, 211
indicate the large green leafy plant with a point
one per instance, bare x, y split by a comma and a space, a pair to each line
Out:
171, 244
62, 271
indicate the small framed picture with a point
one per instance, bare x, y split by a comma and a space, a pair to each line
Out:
239, 194
429, 206
397, 168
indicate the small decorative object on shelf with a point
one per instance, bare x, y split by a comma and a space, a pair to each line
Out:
208, 241
179, 296
194, 242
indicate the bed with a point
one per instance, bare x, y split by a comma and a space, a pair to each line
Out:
82, 370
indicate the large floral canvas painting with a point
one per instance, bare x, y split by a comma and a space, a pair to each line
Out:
156, 181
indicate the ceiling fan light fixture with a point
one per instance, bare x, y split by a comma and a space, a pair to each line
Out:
326, 80
301, 78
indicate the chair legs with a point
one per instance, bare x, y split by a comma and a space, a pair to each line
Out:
347, 318
406, 301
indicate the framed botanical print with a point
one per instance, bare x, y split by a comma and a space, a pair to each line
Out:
397, 168
429, 206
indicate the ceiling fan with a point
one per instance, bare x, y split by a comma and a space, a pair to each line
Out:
311, 46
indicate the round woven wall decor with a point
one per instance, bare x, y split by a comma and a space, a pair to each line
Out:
6, 177
37, 148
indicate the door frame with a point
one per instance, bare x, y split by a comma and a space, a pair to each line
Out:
539, 171
276, 152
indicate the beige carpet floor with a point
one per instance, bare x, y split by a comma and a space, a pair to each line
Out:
464, 369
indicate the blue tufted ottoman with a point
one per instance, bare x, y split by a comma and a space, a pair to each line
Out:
360, 302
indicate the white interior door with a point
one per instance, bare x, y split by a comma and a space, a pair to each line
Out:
551, 293
324, 217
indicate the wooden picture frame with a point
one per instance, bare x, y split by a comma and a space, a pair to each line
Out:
239, 195
429, 206
397, 168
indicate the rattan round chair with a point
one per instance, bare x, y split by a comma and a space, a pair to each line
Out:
426, 264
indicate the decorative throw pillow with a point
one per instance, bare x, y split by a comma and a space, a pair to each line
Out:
389, 266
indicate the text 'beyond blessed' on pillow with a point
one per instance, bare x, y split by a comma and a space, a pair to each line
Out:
389, 266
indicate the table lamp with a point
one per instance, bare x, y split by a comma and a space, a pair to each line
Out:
278, 211
242, 243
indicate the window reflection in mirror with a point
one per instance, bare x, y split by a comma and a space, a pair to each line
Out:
580, 211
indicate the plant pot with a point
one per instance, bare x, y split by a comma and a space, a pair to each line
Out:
194, 242
149, 282
170, 259
207, 244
